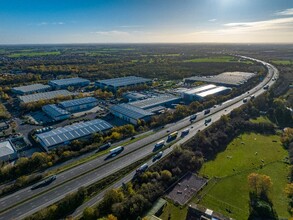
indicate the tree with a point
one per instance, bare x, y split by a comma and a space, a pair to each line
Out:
89, 213
259, 184
166, 175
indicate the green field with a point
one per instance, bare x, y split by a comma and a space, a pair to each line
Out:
218, 59
283, 62
33, 54
174, 212
261, 119
245, 154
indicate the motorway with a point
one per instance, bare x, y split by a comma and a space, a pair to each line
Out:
26, 201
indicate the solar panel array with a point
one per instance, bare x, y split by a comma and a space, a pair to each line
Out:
30, 88
124, 81
76, 102
44, 96
72, 132
130, 111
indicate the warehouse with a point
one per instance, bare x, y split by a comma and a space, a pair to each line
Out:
44, 96
122, 82
64, 135
55, 112
130, 113
25, 90
7, 151
77, 105
64, 83
165, 100
225, 79
133, 96
219, 90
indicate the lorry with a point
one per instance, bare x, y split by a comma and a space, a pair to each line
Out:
159, 144
207, 111
172, 136
116, 150
142, 168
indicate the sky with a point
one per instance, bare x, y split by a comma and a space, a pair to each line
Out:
145, 21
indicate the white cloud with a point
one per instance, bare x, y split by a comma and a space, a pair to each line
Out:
212, 20
285, 12
44, 23
112, 33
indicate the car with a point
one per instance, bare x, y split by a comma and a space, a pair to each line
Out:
158, 156
168, 131
132, 138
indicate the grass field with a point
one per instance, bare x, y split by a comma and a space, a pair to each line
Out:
33, 54
283, 62
231, 191
176, 213
218, 59
261, 119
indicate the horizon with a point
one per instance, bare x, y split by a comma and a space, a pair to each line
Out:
146, 21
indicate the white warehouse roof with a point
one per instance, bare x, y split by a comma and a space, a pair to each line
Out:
213, 91
6, 149
44, 96
31, 88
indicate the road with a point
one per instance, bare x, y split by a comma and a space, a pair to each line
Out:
88, 173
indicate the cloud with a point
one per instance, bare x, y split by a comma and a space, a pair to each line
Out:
44, 23
286, 12
112, 33
212, 20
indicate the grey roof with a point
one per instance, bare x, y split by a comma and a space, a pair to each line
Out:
6, 148
199, 89
124, 81
71, 132
31, 88
69, 81
76, 102
151, 102
54, 110
134, 95
130, 111
228, 78
213, 91
44, 96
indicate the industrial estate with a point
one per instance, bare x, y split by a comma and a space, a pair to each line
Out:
132, 146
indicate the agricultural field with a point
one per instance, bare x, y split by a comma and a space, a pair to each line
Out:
283, 62
244, 155
32, 54
217, 59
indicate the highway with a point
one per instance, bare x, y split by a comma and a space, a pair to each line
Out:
97, 169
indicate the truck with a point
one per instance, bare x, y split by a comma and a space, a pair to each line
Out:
172, 135
116, 150
192, 117
142, 168
160, 144
184, 132
207, 111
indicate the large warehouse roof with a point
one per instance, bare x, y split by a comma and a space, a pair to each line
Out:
54, 110
124, 81
200, 89
6, 149
216, 90
68, 81
130, 111
44, 96
154, 101
30, 88
226, 78
72, 132
76, 102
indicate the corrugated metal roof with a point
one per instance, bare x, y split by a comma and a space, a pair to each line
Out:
76, 102
124, 81
151, 102
213, 91
6, 148
44, 96
200, 89
72, 132
54, 110
131, 111
69, 81
31, 88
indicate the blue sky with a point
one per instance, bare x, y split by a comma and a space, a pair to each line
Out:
139, 21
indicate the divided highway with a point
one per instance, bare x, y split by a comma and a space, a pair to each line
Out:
26, 201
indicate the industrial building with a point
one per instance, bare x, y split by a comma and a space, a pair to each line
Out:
7, 151
34, 88
44, 96
130, 113
165, 100
64, 83
224, 79
201, 92
4, 126
133, 96
81, 104
64, 135
55, 112
122, 82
